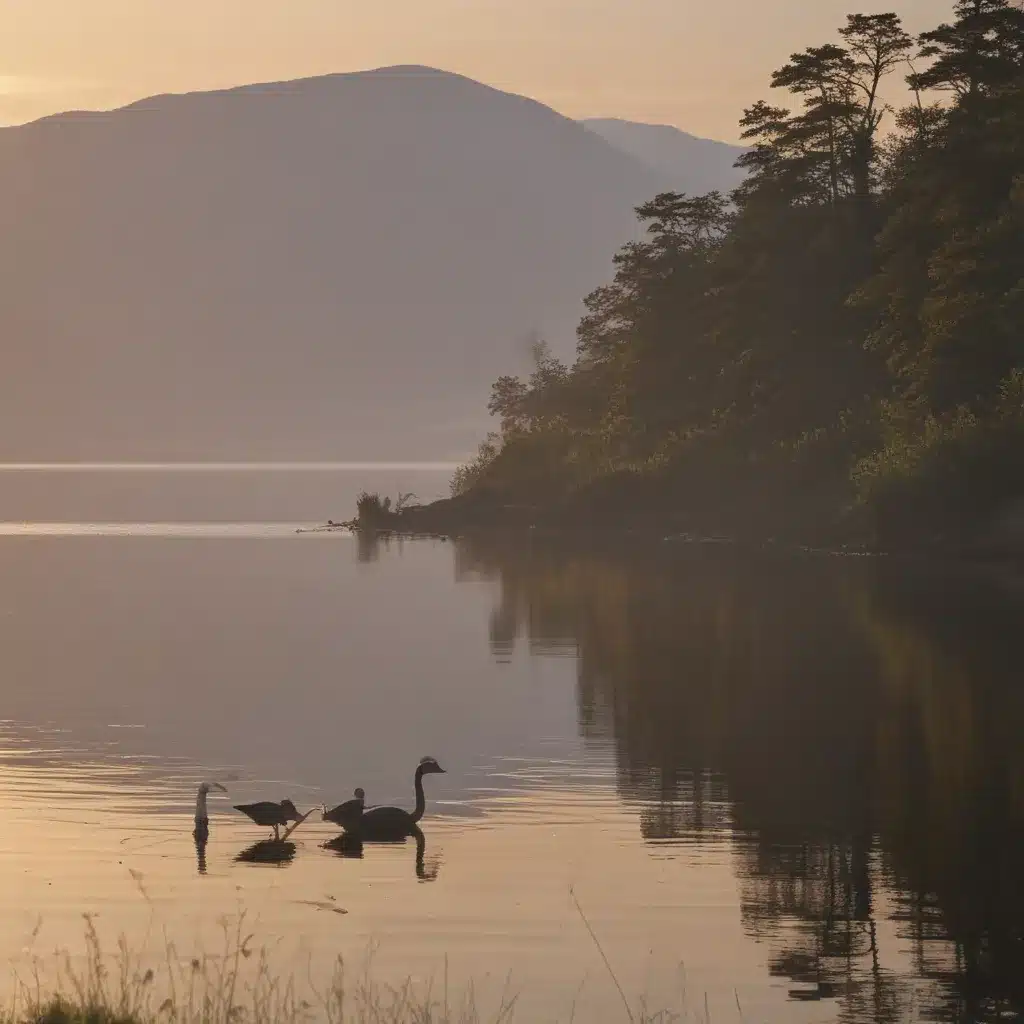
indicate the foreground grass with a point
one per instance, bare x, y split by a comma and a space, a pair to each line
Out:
234, 986
238, 986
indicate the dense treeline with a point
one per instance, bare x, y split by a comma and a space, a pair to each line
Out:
836, 348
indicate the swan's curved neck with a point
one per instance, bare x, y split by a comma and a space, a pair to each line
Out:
421, 800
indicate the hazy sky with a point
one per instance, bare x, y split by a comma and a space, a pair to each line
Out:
692, 63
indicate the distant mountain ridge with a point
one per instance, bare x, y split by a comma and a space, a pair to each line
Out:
332, 268
697, 165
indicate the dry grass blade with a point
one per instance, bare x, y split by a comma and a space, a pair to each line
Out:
604, 956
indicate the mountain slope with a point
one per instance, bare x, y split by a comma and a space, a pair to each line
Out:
328, 268
691, 164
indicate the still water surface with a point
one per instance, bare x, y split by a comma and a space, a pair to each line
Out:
782, 789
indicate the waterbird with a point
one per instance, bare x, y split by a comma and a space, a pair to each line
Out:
202, 818
266, 812
389, 823
348, 813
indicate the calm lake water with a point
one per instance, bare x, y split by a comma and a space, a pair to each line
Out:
781, 788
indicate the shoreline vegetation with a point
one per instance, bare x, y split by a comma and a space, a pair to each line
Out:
238, 985
831, 355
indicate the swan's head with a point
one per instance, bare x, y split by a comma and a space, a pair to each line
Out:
207, 787
290, 811
359, 794
428, 766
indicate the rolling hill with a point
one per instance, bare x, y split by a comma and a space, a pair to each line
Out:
334, 267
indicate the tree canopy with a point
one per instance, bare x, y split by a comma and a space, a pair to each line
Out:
838, 344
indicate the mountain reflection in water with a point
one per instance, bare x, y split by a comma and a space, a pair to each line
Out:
851, 726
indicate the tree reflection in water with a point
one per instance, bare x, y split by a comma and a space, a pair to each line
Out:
850, 725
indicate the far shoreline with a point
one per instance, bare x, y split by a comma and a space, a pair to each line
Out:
467, 517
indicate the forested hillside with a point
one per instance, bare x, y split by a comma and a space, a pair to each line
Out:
834, 350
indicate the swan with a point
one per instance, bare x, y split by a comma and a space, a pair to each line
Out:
383, 823
347, 813
266, 812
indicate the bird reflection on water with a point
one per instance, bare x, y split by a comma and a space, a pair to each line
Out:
423, 873
268, 851
348, 845
201, 837
351, 845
